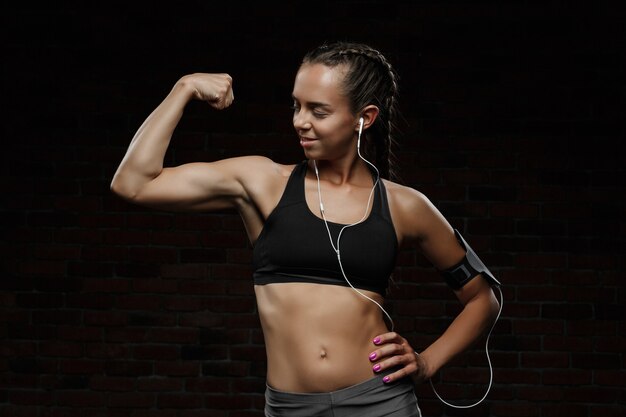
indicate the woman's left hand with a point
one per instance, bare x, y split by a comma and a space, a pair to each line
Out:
394, 351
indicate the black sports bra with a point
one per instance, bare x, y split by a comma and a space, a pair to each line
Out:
294, 245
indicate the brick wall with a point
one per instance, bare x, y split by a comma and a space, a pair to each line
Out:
512, 118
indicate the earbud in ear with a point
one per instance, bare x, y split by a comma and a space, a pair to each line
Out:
358, 142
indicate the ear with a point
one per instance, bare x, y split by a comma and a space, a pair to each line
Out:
369, 115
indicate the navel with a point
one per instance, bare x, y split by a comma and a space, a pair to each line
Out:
323, 354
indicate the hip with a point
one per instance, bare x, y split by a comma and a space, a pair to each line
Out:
370, 398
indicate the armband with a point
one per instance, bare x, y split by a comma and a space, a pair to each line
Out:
470, 266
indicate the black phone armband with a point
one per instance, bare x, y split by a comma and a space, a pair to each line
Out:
470, 266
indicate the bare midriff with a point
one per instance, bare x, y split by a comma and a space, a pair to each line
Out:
318, 337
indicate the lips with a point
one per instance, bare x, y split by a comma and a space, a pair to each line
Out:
304, 141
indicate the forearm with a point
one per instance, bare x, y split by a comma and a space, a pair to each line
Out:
476, 317
144, 157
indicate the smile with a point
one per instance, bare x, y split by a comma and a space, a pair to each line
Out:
306, 141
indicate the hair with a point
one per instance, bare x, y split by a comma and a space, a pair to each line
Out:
369, 79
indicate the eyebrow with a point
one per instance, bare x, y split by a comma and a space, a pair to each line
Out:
313, 103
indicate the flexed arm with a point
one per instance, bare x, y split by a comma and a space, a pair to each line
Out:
141, 178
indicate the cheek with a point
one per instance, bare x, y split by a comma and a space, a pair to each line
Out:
335, 127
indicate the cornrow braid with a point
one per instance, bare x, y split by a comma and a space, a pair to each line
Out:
369, 79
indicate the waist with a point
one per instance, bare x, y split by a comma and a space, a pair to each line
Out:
375, 383
318, 337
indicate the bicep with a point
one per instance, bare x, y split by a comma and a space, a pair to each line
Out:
434, 235
197, 186
438, 243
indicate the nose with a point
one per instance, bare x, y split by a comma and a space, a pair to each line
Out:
301, 121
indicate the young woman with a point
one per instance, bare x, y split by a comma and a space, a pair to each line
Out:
325, 232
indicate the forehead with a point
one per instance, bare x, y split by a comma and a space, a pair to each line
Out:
319, 83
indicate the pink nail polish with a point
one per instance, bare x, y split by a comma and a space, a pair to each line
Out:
377, 340
376, 368
386, 379
372, 355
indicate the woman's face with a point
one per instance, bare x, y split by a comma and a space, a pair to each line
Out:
322, 116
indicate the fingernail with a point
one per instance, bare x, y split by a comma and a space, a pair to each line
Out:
376, 340
376, 368
373, 355
386, 379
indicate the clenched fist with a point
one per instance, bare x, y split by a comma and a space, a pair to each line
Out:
215, 89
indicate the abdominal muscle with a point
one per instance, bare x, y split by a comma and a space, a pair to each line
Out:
318, 337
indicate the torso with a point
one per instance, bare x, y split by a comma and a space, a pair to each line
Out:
318, 337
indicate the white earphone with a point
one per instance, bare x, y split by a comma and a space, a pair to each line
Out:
336, 245
358, 141
336, 248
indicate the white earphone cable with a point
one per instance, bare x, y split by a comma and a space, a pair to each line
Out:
338, 252
336, 247
488, 361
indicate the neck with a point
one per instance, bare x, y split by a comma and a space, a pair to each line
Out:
354, 171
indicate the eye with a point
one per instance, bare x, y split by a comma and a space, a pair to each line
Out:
319, 115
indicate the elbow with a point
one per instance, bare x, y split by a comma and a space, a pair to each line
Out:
122, 190
493, 307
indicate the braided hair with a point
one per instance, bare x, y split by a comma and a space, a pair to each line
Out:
369, 79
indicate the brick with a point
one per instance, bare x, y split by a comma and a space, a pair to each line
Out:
90, 301
80, 398
567, 343
567, 377
129, 368
555, 327
151, 319
107, 383
80, 366
105, 318
569, 410
567, 311
590, 394
152, 254
159, 352
606, 411
57, 317
596, 361
186, 369
38, 300
160, 384
545, 360
155, 286
19, 410
60, 349
39, 398
207, 384
179, 401
63, 382
107, 350
205, 352
133, 400
186, 271
228, 402
140, 302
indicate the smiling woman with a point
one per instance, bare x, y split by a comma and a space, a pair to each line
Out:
326, 232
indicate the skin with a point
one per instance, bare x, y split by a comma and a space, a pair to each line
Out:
312, 342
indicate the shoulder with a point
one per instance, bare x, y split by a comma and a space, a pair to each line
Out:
406, 199
258, 167
261, 176
411, 210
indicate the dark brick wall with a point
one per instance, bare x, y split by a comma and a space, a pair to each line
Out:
513, 127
